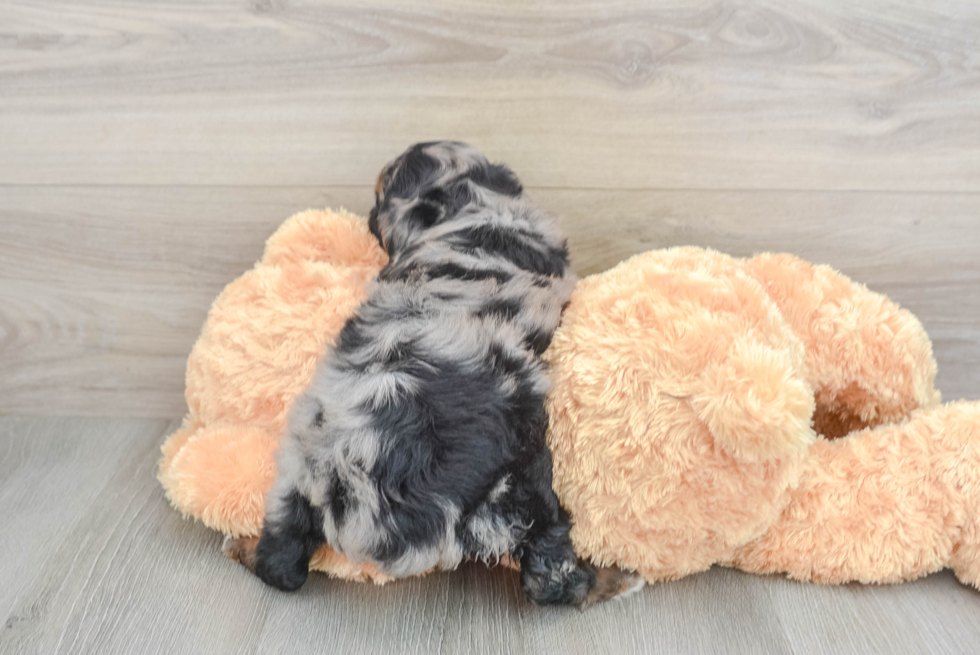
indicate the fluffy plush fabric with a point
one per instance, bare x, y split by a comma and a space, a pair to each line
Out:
257, 351
766, 413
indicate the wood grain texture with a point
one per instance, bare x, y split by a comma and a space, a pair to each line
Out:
94, 560
103, 290
785, 94
147, 149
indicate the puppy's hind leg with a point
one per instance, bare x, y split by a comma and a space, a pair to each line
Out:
550, 573
291, 534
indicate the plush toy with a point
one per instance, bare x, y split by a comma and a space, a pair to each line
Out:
765, 414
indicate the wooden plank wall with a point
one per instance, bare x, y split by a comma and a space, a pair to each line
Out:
147, 150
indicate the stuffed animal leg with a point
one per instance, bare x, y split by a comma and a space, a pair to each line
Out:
878, 505
869, 361
668, 469
882, 505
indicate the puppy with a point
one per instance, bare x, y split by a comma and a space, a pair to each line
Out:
421, 440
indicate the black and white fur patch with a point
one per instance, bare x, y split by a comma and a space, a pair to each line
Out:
421, 440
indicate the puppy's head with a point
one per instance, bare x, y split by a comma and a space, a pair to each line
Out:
428, 184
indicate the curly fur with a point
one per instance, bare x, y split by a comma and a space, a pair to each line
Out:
421, 440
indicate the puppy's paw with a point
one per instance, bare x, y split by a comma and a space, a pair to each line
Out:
241, 550
563, 583
282, 561
612, 582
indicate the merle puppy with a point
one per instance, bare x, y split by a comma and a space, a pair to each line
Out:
421, 440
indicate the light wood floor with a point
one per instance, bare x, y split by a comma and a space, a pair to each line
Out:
148, 148
95, 561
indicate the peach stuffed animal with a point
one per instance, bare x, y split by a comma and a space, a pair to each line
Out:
765, 414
